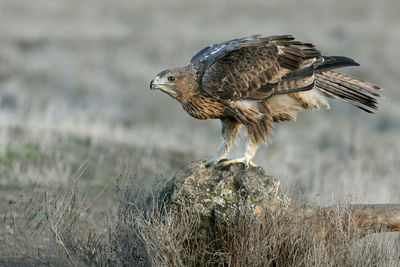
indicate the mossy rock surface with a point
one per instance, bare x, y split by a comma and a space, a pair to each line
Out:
221, 194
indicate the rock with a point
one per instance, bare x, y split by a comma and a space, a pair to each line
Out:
221, 194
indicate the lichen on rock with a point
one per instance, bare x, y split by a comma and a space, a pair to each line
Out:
221, 194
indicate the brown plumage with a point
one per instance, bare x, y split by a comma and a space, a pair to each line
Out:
257, 81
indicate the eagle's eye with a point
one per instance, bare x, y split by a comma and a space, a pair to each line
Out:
171, 78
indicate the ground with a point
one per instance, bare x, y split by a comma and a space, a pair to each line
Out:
74, 89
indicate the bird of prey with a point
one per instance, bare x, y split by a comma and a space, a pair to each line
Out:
257, 81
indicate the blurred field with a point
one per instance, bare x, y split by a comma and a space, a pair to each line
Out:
74, 85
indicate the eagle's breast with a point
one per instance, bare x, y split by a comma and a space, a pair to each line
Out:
203, 107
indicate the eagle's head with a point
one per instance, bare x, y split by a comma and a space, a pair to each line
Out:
177, 83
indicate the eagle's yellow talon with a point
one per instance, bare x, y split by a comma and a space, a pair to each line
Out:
247, 163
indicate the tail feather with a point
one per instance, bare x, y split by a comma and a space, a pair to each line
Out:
356, 92
354, 83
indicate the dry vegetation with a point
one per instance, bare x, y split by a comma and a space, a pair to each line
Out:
62, 229
74, 88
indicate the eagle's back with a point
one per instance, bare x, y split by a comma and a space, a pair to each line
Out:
257, 68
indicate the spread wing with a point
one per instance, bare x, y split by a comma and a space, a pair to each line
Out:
257, 67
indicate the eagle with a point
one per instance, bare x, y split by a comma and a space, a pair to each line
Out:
258, 81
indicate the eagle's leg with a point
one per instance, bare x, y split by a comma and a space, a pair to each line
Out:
256, 133
250, 151
230, 130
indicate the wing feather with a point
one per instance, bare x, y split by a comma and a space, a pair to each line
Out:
257, 68
212, 53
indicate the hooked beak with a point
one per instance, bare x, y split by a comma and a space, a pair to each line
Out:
158, 83
154, 84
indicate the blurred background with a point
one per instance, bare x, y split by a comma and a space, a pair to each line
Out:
74, 89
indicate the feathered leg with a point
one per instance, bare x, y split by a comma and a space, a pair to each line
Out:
257, 133
230, 130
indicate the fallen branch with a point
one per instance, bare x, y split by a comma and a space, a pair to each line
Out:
363, 219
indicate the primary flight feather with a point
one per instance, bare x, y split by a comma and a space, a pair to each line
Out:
257, 81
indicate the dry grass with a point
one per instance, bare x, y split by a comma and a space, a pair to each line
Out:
277, 239
55, 228
59, 229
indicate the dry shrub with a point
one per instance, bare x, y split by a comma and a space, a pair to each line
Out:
273, 238
57, 229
